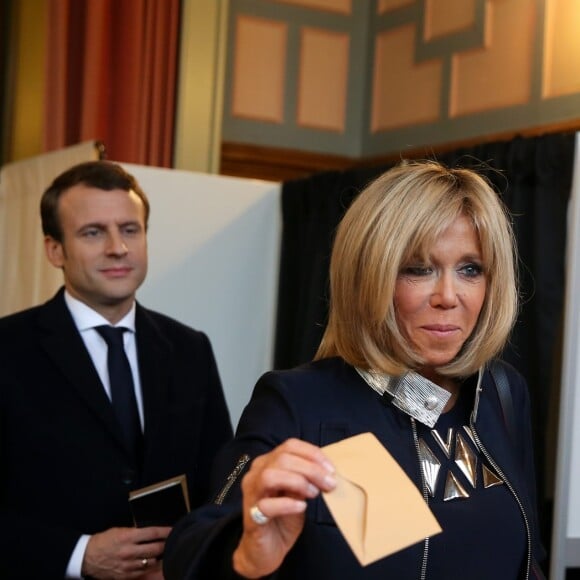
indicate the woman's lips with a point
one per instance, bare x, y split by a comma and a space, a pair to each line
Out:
441, 329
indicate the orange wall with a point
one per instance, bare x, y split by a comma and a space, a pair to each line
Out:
431, 71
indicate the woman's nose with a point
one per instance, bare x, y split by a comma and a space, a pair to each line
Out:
445, 291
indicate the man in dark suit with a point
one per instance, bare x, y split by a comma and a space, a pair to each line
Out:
67, 467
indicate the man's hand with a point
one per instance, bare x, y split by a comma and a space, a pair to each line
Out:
122, 553
155, 574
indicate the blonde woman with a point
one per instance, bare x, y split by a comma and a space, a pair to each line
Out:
423, 299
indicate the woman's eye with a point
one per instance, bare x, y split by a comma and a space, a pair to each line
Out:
416, 271
471, 270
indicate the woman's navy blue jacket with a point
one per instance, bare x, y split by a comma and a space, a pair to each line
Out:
323, 402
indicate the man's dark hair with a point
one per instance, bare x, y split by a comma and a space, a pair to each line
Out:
100, 174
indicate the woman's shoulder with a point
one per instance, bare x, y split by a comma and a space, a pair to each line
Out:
499, 368
328, 371
502, 371
322, 382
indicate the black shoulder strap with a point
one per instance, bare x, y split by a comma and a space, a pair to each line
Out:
502, 385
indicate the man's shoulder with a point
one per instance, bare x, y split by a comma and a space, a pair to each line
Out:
20, 332
21, 319
47, 312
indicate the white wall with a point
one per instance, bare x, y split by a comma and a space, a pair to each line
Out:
213, 264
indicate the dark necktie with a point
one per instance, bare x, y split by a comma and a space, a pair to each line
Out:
122, 390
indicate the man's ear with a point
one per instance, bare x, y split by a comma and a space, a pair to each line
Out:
54, 251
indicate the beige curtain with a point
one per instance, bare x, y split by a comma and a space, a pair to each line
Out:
26, 277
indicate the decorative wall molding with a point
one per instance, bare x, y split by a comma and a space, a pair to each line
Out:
279, 164
276, 164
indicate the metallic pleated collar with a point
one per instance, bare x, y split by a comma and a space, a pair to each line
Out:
411, 393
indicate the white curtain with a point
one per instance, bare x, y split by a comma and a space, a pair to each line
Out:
214, 246
566, 528
26, 276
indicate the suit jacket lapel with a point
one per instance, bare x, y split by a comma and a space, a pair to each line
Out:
64, 345
155, 355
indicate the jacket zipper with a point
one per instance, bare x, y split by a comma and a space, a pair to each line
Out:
425, 497
231, 479
492, 463
500, 472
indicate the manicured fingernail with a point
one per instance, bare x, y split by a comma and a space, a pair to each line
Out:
312, 490
328, 466
300, 506
330, 481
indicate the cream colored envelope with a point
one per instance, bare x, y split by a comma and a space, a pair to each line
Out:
378, 509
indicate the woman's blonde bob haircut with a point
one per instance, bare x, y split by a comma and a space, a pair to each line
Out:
393, 222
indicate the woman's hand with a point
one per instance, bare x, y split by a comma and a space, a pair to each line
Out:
278, 484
